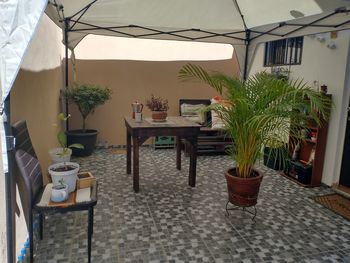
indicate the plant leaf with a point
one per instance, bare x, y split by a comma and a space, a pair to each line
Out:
76, 145
62, 139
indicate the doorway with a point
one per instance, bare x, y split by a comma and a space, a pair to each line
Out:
345, 166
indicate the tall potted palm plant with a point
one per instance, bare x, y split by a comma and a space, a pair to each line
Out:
260, 110
87, 97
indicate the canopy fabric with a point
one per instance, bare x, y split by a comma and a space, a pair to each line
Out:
18, 20
236, 22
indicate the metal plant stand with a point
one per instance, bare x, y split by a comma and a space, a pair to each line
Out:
244, 209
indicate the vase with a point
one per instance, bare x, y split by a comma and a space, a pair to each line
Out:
159, 116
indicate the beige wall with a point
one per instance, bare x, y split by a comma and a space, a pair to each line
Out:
35, 98
329, 67
137, 80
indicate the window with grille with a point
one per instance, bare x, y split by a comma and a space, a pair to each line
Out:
283, 52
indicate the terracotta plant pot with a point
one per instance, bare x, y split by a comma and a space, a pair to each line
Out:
243, 192
159, 116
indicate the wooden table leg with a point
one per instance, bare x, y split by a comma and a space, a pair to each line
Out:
135, 148
178, 152
90, 230
193, 162
128, 152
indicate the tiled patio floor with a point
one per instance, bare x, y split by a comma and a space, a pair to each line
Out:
170, 222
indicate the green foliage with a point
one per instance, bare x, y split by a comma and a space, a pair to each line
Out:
61, 181
87, 97
62, 137
262, 110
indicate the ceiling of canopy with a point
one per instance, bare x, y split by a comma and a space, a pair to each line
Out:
223, 21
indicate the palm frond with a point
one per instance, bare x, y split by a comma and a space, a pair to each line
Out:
262, 110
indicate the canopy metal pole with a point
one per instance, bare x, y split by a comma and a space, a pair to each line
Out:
247, 42
9, 183
66, 28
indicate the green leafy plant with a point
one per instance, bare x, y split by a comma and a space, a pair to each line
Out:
62, 137
262, 109
157, 104
87, 97
61, 181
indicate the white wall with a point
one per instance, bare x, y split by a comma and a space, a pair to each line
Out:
330, 67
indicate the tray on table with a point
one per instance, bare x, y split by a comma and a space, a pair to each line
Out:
44, 202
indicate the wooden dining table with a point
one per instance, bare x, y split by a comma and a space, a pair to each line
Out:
139, 132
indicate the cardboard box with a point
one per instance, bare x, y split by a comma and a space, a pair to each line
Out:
85, 180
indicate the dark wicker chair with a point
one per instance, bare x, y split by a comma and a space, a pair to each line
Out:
31, 186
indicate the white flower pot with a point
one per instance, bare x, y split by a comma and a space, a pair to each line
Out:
59, 193
69, 177
57, 156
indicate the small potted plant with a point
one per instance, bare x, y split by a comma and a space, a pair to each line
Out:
66, 172
63, 153
59, 193
87, 97
159, 108
62, 170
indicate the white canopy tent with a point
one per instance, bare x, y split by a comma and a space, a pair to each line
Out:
242, 23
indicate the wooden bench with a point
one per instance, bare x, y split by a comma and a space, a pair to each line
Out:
210, 141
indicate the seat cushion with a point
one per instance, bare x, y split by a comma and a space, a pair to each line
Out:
193, 112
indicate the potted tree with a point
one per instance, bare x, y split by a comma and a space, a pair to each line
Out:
87, 97
261, 109
159, 108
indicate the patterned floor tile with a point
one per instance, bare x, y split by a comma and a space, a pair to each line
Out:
137, 237
272, 247
232, 249
152, 254
178, 232
190, 252
168, 221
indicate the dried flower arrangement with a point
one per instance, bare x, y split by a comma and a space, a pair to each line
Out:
157, 104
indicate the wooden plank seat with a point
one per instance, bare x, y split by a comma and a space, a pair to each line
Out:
210, 141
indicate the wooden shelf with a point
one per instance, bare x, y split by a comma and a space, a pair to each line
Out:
308, 147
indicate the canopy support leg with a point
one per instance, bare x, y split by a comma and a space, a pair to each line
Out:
9, 185
66, 28
247, 42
